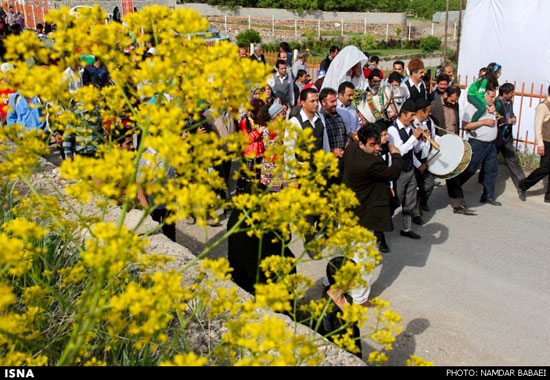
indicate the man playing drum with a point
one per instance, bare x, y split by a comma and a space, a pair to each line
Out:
482, 135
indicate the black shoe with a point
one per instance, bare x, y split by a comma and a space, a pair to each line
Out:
410, 234
491, 202
383, 247
546, 199
417, 220
463, 210
521, 194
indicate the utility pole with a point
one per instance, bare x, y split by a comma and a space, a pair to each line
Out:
459, 28
446, 28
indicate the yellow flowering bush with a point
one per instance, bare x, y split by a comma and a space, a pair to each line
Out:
75, 290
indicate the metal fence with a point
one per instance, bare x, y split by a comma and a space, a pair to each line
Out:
33, 11
273, 28
527, 98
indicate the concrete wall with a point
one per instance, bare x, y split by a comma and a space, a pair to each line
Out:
439, 17
282, 14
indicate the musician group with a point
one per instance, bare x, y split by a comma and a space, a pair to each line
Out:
395, 136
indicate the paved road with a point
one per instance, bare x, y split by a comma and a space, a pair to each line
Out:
475, 290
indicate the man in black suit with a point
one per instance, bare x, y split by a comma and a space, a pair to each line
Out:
445, 111
258, 54
368, 175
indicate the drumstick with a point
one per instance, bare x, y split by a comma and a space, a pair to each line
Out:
427, 136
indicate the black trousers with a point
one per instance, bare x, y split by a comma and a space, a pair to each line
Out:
540, 173
159, 215
224, 170
511, 160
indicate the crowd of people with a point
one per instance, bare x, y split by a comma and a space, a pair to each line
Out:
382, 131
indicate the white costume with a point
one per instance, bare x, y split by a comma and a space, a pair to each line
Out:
341, 64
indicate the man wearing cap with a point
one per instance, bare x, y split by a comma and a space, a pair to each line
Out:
405, 137
300, 63
346, 91
281, 83
424, 178
320, 78
414, 87
325, 63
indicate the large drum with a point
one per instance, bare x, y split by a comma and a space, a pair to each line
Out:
452, 158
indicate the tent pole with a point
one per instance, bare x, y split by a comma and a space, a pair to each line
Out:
459, 29
446, 28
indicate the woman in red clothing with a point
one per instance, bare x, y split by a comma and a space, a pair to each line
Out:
268, 176
5, 93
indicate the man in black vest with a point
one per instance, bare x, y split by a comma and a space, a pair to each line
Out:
282, 85
405, 137
414, 87
309, 118
424, 179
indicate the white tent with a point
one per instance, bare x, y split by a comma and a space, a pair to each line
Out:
514, 34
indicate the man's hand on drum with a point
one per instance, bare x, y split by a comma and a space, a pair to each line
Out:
422, 168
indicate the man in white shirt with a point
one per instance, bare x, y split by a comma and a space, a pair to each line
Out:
300, 63
424, 178
405, 137
413, 86
308, 118
482, 136
281, 84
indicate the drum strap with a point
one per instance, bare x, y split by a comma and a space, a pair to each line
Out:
362, 119
370, 101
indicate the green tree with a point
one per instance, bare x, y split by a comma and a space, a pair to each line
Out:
248, 37
430, 44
